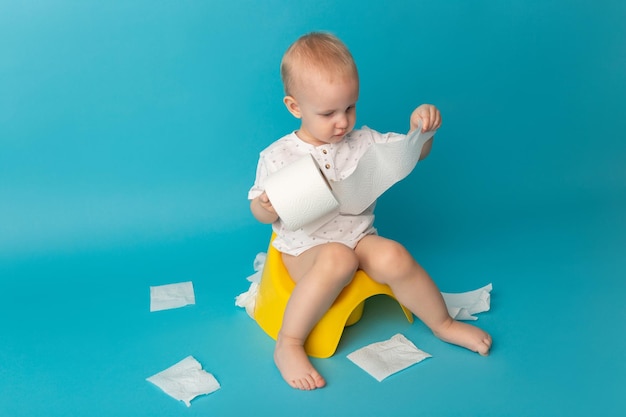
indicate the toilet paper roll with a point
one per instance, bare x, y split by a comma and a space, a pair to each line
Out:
301, 195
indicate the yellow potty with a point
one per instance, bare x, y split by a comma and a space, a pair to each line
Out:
274, 292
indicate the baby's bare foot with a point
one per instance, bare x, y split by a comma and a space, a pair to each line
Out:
465, 335
295, 366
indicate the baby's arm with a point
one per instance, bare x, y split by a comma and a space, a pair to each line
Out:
430, 119
263, 210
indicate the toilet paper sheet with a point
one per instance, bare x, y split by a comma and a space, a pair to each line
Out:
165, 297
302, 196
463, 306
185, 380
383, 359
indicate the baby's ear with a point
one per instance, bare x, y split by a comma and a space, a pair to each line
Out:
292, 106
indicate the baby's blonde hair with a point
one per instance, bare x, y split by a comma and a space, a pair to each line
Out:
319, 51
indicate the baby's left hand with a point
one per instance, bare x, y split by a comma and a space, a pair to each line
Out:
429, 116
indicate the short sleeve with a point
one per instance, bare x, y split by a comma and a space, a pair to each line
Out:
261, 174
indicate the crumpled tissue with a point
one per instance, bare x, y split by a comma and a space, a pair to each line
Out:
247, 299
185, 380
385, 358
165, 297
463, 306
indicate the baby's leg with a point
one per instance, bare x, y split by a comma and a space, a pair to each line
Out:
320, 274
389, 262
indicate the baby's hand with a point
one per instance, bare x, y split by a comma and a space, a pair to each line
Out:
265, 202
263, 210
429, 116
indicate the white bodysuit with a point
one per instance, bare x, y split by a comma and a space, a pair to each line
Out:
337, 162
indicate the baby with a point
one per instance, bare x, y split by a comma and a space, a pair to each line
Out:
322, 88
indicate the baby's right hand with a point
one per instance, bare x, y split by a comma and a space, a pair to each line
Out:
263, 210
265, 202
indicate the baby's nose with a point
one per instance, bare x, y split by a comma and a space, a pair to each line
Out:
342, 122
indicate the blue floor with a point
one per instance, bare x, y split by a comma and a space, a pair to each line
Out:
129, 132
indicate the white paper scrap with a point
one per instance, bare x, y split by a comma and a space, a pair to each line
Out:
385, 358
165, 297
247, 299
463, 306
185, 380
258, 264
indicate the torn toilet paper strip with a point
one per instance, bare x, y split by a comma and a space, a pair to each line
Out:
385, 358
185, 380
164, 297
463, 306
383, 165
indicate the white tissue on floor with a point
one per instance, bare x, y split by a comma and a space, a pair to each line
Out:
247, 299
463, 306
385, 358
185, 380
165, 297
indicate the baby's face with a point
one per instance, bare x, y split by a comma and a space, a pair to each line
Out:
327, 108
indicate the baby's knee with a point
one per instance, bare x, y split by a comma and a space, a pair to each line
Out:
339, 258
394, 259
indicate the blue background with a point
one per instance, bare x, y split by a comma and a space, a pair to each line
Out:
129, 135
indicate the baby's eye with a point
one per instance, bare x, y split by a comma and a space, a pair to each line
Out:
329, 114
